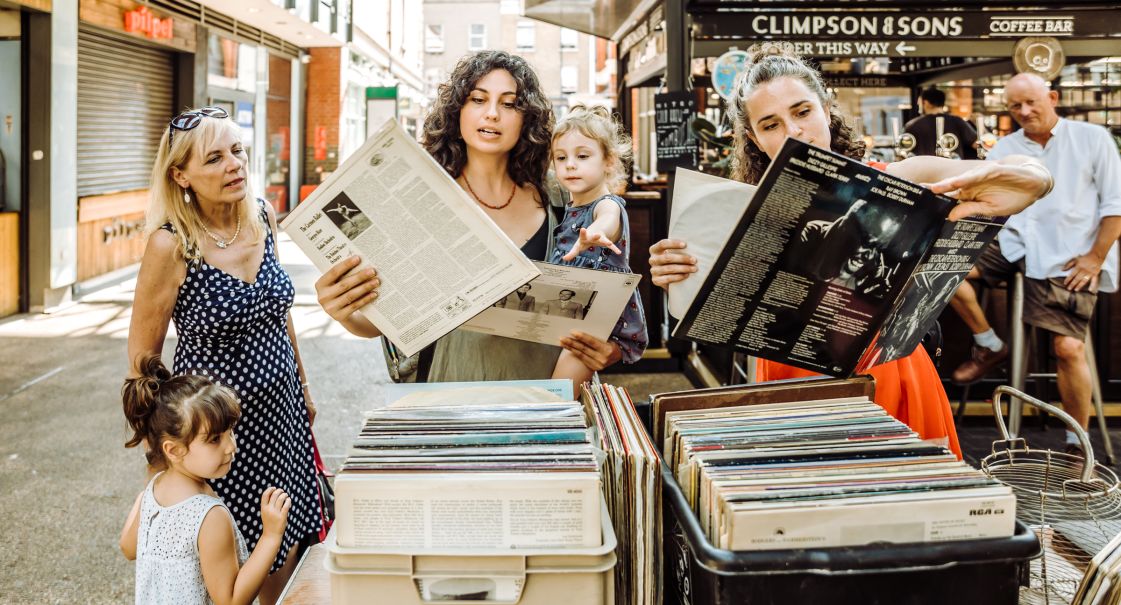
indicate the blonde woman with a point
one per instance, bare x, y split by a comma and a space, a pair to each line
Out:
210, 266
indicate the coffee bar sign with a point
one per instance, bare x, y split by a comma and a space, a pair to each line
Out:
869, 25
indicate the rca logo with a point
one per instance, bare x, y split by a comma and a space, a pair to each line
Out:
980, 512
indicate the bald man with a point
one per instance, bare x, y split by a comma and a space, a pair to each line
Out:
1065, 244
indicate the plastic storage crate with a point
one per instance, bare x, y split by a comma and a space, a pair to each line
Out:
978, 572
571, 576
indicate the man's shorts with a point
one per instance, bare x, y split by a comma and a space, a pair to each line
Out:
1047, 304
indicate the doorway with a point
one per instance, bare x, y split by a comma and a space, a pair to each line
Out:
11, 143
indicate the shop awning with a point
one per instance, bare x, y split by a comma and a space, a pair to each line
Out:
294, 28
608, 19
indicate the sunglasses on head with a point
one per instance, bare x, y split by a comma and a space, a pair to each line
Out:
190, 119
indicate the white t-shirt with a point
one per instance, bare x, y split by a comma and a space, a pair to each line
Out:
1084, 161
168, 570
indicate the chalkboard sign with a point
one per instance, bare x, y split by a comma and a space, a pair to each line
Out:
677, 144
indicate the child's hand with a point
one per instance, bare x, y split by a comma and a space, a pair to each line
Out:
274, 511
594, 353
589, 239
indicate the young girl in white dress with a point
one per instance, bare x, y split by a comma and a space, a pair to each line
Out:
183, 538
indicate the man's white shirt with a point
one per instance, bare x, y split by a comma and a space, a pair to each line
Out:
1086, 166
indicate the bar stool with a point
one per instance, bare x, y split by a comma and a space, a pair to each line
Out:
1018, 373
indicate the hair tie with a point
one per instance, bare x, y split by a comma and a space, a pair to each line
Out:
757, 53
153, 383
154, 373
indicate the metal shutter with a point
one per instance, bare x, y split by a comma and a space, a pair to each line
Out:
124, 103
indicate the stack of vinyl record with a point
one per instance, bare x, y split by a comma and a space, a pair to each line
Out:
459, 476
1101, 582
838, 472
632, 487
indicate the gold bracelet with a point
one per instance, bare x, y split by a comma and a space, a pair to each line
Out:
1043, 169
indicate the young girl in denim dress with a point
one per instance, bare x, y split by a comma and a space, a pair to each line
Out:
590, 157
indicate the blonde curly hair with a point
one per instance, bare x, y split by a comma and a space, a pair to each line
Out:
597, 123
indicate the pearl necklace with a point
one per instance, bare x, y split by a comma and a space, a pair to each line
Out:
223, 244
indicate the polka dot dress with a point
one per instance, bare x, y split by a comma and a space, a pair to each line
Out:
236, 333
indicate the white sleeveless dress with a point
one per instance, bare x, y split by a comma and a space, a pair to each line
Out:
168, 570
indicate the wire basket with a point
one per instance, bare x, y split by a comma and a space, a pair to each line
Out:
1072, 504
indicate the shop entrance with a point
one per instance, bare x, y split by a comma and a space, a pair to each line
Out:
11, 142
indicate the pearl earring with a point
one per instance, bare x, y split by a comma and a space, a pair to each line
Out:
186, 197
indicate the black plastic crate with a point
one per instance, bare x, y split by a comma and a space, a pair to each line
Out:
982, 572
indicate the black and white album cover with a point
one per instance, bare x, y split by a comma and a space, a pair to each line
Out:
825, 254
347, 216
931, 288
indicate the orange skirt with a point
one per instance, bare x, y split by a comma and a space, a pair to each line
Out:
909, 389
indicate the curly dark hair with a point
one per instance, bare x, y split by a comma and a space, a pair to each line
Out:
768, 62
529, 159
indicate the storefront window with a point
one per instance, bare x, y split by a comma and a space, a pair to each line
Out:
10, 120
354, 116
11, 144
642, 129
278, 133
233, 71
1090, 92
876, 113
231, 64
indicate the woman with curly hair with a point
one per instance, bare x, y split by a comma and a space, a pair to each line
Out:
780, 95
490, 128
